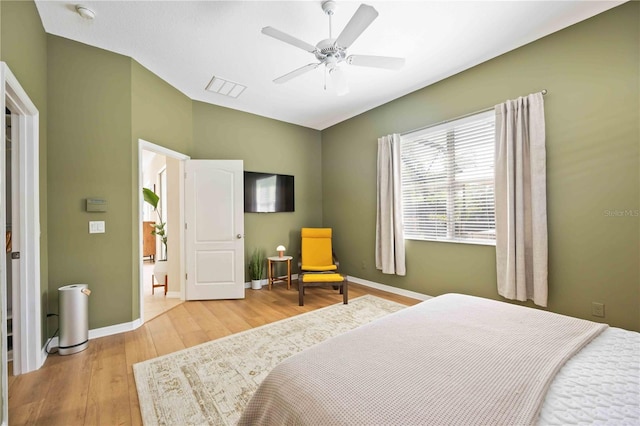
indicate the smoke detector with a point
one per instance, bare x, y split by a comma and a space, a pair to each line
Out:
85, 12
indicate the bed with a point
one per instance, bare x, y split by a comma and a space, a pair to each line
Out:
458, 359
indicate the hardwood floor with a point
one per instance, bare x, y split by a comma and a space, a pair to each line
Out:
155, 302
97, 387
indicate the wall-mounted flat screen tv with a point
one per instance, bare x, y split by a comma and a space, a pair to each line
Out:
268, 193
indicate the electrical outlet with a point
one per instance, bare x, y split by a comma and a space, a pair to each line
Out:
597, 309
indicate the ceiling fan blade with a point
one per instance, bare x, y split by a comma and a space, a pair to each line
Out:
386, 62
339, 81
279, 35
295, 73
359, 22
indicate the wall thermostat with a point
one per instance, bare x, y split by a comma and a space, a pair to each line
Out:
96, 205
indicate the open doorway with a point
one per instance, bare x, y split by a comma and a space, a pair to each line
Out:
11, 247
9, 235
155, 232
161, 261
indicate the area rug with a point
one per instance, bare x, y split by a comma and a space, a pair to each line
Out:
211, 383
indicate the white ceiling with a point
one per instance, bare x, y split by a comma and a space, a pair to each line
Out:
186, 43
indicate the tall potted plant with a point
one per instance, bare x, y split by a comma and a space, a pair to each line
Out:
159, 229
256, 268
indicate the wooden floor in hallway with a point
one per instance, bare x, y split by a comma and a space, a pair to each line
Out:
155, 301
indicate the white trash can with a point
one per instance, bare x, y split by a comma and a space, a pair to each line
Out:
73, 311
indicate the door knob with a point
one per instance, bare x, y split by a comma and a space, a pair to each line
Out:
239, 236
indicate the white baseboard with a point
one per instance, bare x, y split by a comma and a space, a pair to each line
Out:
43, 355
173, 295
389, 289
97, 333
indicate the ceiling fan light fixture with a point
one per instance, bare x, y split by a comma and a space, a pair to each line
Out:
85, 12
339, 81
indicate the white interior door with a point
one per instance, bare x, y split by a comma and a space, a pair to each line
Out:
214, 234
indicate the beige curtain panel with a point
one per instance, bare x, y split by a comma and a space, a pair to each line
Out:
390, 257
521, 200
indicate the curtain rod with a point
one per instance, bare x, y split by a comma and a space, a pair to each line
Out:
543, 91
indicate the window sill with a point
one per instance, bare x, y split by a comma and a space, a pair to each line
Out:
472, 242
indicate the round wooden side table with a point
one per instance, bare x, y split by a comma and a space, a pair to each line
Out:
272, 277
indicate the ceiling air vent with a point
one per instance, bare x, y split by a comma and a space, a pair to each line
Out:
225, 87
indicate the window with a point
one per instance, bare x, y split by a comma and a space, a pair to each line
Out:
447, 181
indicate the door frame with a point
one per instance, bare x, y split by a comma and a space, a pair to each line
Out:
144, 145
29, 354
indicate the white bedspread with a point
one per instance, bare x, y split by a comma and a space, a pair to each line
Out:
451, 360
600, 385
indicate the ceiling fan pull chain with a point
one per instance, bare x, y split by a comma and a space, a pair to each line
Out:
325, 79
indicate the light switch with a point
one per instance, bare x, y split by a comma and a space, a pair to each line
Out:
96, 227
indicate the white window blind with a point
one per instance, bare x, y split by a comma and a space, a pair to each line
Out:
447, 181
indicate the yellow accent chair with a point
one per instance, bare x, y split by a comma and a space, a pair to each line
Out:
318, 263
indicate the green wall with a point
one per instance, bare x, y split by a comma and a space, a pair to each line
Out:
161, 115
101, 103
23, 46
591, 71
90, 130
266, 145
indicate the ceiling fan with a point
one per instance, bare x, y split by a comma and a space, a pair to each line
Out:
332, 52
